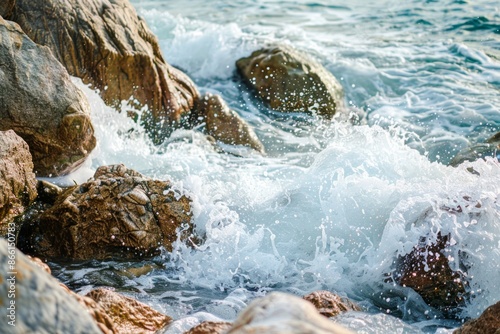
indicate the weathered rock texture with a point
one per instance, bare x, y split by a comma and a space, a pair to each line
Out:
427, 271
41, 305
117, 213
226, 125
126, 314
107, 45
280, 313
330, 304
41, 104
6, 7
487, 323
491, 148
17, 180
287, 80
210, 327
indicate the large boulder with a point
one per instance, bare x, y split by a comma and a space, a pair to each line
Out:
330, 304
32, 301
117, 213
225, 125
41, 104
487, 323
109, 46
17, 180
281, 313
289, 81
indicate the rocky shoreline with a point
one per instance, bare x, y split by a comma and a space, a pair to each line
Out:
45, 130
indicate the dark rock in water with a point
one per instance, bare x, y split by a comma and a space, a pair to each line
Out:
330, 304
281, 313
41, 104
126, 315
491, 148
226, 125
6, 7
210, 327
289, 81
487, 323
109, 46
427, 271
41, 305
48, 192
117, 213
17, 180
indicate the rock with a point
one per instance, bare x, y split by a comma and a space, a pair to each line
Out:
39, 263
289, 81
210, 327
280, 313
17, 180
487, 323
109, 46
117, 213
40, 305
6, 7
127, 314
330, 304
491, 148
41, 104
225, 125
426, 270
48, 192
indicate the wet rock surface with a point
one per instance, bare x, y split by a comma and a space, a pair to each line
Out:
330, 304
41, 104
118, 213
110, 47
289, 81
487, 323
17, 180
210, 327
490, 148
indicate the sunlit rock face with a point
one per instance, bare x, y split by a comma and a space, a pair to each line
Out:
110, 47
210, 327
226, 125
117, 213
487, 323
17, 180
330, 304
289, 81
41, 104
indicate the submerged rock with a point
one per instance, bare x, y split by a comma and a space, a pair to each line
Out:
487, 323
40, 304
281, 313
289, 81
491, 148
17, 180
117, 213
210, 327
41, 104
108, 45
225, 125
330, 304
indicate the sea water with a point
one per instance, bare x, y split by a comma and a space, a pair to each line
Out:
331, 205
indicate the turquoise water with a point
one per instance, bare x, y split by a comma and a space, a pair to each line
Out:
331, 205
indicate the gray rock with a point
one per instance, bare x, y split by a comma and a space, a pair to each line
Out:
490, 148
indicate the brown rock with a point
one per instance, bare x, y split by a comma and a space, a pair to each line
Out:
127, 314
426, 270
226, 125
47, 192
487, 323
106, 44
6, 7
17, 180
210, 327
41, 104
330, 304
38, 262
287, 81
117, 213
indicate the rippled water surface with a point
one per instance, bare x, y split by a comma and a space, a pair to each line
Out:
331, 205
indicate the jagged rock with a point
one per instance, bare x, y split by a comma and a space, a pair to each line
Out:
41, 104
40, 305
117, 213
490, 148
210, 327
226, 125
48, 192
17, 180
39, 263
487, 323
281, 313
287, 81
427, 271
126, 314
330, 304
109, 46
6, 7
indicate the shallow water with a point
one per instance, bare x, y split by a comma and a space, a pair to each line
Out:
332, 205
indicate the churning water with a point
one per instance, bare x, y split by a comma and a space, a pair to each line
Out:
331, 205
